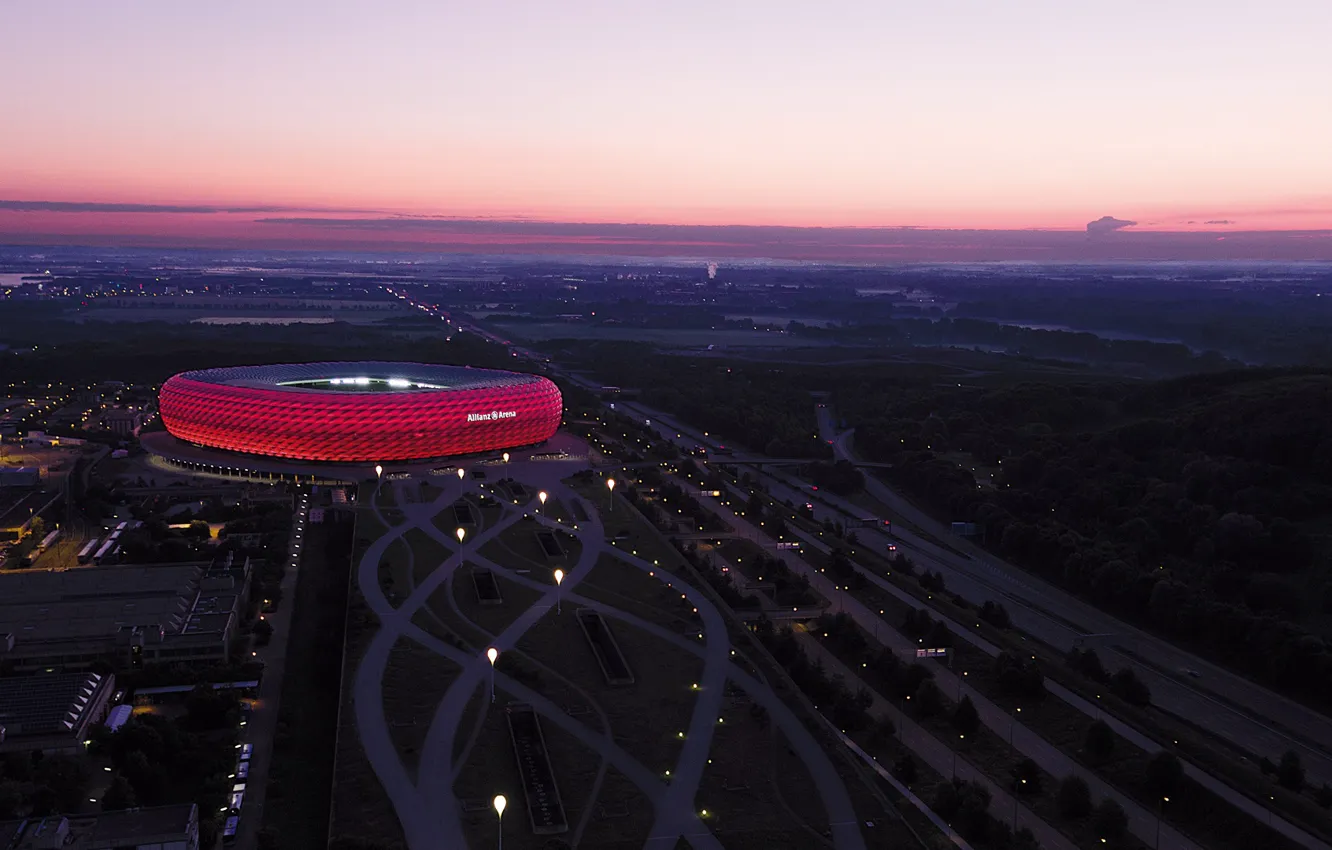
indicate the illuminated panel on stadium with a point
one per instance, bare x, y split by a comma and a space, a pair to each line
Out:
366, 411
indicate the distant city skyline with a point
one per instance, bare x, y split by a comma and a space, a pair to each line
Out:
1180, 117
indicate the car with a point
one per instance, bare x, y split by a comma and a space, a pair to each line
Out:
246, 712
892, 547
1194, 673
243, 770
246, 750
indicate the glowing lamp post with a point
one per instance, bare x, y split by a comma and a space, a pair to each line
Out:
492, 654
379, 471
461, 473
610, 485
541, 497
500, 803
460, 534
559, 579
506, 457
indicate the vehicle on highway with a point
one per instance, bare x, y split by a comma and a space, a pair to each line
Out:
229, 829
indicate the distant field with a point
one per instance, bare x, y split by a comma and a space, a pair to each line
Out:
183, 315
538, 332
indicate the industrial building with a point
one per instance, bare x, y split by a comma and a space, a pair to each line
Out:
51, 712
158, 828
128, 616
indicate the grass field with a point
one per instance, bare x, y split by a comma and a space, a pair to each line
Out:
666, 337
301, 777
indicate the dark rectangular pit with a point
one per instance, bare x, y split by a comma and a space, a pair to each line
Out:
487, 588
544, 808
550, 544
605, 648
462, 514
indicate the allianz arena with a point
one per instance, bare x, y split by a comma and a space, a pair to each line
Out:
357, 412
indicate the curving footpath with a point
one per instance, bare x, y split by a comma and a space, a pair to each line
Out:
428, 809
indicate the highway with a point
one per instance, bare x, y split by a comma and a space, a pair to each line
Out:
1252, 718
1248, 716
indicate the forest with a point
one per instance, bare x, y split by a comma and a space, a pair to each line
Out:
1197, 507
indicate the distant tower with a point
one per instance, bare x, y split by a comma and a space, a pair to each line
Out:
712, 271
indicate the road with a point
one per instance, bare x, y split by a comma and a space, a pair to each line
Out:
1142, 822
263, 723
1222, 702
1246, 715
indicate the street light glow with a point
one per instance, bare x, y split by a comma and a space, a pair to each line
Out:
610, 483
461, 473
559, 576
500, 803
506, 457
492, 654
461, 533
379, 470
541, 497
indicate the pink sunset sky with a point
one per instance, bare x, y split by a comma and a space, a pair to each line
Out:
1183, 117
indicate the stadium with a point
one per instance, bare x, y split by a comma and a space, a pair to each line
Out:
359, 412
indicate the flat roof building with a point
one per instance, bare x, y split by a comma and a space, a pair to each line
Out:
129, 616
51, 712
157, 828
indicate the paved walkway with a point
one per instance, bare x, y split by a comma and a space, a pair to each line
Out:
262, 725
427, 809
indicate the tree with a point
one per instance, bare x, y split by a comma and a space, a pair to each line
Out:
1074, 797
1130, 688
37, 527
1164, 773
1088, 663
1290, 771
965, 718
119, 795
928, 700
1099, 743
995, 614
67, 777
1109, 820
1027, 777
263, 632
11, 798
904, 769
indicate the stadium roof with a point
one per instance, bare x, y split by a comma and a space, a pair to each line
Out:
403, 377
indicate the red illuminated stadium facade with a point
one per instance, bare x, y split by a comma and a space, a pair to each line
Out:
359, 412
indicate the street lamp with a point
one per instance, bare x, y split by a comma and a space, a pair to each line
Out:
500, 803
379, 471
541, 497
1160, 813
460, 533
559, 579
461, 473
506, 457
610, 485
492, 654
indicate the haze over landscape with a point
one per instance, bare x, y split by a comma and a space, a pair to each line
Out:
694, 425
1201, 127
